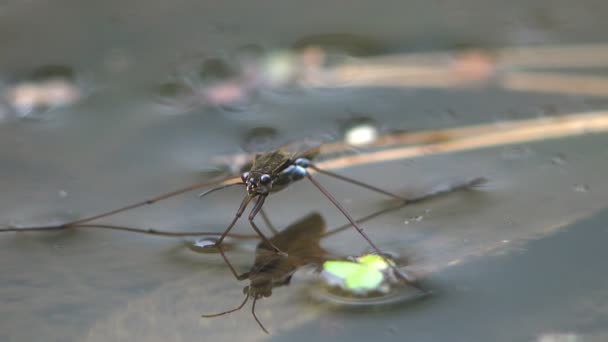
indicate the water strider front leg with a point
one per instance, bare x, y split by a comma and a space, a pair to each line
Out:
256, 209
238, 214
267, 222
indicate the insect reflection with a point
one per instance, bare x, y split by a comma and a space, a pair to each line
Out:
300, 241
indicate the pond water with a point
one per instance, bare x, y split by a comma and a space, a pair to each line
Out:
520, 259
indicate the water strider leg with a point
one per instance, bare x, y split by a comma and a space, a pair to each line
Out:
356, 182
239, 277
360, 230
256, 317
267, 222
458, 186
136, 205
147, 231
218, 188
238, 214
229, 311
252, 215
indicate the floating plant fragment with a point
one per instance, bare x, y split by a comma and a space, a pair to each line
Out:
368, 280
362, 275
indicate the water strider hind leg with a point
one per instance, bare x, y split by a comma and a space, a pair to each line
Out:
443, 190
237, 215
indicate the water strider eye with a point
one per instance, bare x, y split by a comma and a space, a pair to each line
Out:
265, 179
244, 176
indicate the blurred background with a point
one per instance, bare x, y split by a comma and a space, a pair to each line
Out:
105, 104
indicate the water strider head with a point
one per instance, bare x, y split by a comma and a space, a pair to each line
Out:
258, 183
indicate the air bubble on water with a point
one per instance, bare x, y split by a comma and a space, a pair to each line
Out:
361, 135
205, 242
359, 131
207, 245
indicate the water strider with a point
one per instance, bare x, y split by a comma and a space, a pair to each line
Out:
269, 173
300, 242
273, 171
